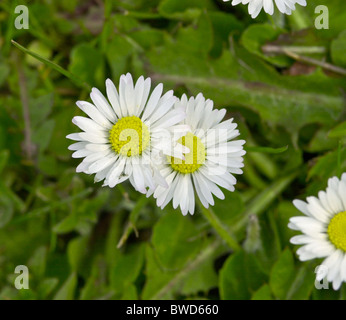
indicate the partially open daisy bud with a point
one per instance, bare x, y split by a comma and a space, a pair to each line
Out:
324, 230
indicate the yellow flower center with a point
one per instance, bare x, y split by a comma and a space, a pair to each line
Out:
337, 230
194, 159
129, 136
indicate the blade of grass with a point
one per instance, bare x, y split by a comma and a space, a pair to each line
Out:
77, 81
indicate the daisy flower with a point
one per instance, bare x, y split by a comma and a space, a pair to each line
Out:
211, 161
255, 6
121, 135
324, 230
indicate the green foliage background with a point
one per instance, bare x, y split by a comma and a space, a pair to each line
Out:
66, 229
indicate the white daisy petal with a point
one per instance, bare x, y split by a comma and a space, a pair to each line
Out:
255, 6
102, 104
101, 142
113, 97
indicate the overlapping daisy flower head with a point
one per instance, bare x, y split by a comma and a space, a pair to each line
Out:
120, 138
255, 6
212, 159
324, 230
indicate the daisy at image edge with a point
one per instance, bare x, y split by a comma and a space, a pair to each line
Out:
324, 230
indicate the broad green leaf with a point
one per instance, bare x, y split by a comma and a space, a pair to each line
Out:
4, 154
6, 210
263, 293
67, 224
256, 36
183, 10
302, 284
203, 279
339, 131
118, 53
67, 290
157, 276
130, 293
87, 62
338, 49
4, 71
288, 101
282, 275
229, 209
326, 166
183, 243
46, 287
240, 276
37, 262
127, 268
40, 108
76, 251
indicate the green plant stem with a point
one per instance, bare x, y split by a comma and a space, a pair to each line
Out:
77, 81
219, 227
202, 257
130, 226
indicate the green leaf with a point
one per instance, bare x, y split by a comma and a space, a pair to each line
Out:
47, 286
282, 275
240, 276
203, 279
87, 62
127, 268
67, 224
263, 293
67, 290
183, 244
327, 165
76, 251
156, 276
130, 293
118, 53
339, 131
281, 100
338, 49
4, 155
182, 10
53, 65
40, 108
302, 284
256, 36
266, 149
6, 210
37, 262
4, 72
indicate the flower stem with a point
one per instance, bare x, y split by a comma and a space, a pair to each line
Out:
222, 231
